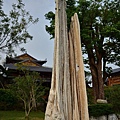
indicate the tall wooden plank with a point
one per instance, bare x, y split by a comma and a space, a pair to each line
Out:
57, 107
80, 77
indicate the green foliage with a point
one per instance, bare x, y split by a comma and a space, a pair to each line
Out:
100, 27
51, 29
26, 84
70, 10
100, 35
112, 95
14, 27
97, 110
90, 96
7, 99
28, 88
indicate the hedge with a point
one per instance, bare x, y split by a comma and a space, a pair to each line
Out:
97, 110
7, 99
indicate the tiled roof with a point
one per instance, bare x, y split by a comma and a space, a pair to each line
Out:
31, 68
28, 60
115, 70
25, 54
18, 59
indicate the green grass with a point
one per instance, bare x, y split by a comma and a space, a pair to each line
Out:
20, 115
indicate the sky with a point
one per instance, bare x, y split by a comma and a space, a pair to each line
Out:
41, 47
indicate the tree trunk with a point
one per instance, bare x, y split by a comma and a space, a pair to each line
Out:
67, 97
96, 71
94, 81
100, 81
34, 106
98, 86
104, 70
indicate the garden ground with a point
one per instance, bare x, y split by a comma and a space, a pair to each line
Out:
20, 115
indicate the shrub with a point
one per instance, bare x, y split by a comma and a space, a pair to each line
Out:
97, 110
112, 95
7, 99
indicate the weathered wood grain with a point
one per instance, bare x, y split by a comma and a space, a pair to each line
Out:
67, 97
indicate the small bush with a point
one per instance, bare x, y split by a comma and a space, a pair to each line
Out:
7, 99
112, 95
97, 110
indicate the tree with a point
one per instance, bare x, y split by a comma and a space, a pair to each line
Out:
100, 29
27, 89
99, 33
13, 27
51, 29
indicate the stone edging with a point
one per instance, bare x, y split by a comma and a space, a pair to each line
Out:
107, 117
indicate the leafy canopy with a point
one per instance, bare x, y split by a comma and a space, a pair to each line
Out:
14, 27
100, 27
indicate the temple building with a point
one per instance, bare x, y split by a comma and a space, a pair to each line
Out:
30, 63
114, 77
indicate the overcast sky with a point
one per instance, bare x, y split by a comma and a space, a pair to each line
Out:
41, 47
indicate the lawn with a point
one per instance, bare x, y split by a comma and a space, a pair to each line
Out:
19, 115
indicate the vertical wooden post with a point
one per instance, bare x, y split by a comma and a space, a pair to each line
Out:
78, 69
67, 97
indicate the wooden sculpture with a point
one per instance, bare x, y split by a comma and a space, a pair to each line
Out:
67, 97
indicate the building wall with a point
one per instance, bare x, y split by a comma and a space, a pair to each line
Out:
114, 80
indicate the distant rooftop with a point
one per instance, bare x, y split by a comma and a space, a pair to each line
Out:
24, 57
31, 68
27, 62
115, 71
